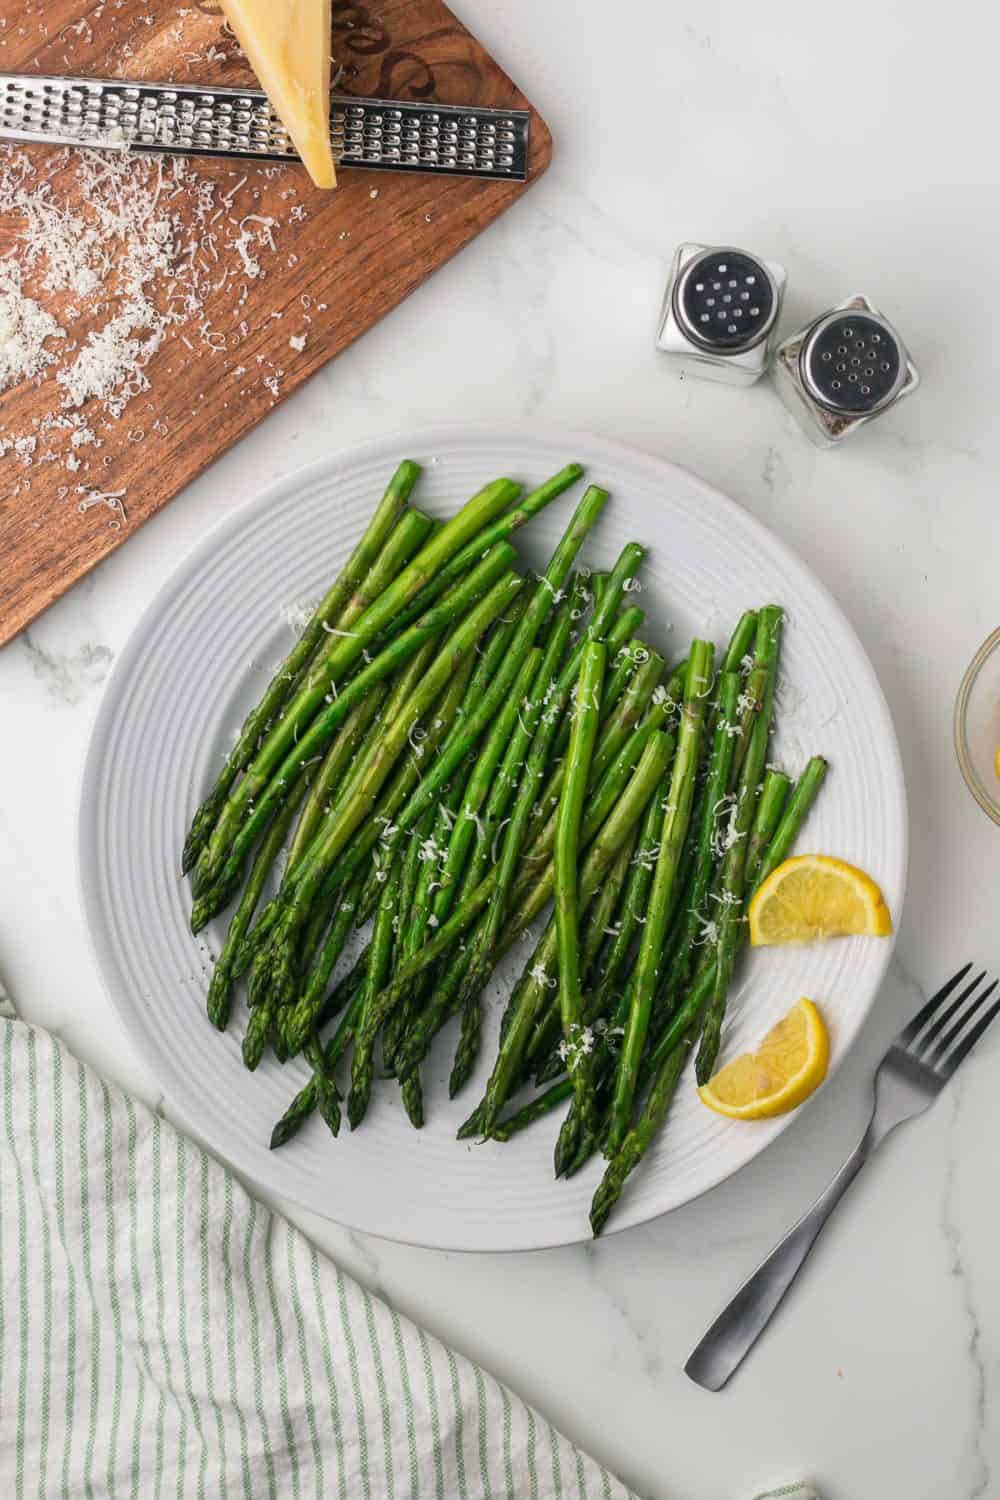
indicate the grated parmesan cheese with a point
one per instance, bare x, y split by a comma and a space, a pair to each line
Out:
126, 252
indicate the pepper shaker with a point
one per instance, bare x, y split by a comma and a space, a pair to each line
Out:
842, 369
719, 313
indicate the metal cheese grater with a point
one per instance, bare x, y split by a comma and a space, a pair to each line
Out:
177, 119
843, 369
719, 312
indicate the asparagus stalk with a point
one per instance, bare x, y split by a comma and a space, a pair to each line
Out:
741, 642
221, 984
517, 767
770, 806
779, 847
305, 882
494, 567
672, 1062
498, 531
459, 988
714, 808
335, 765
536, 885
733, 875
307, 1099
567, 848
602, 914
613, 734
379, 958
376, 534
675, 825
467, 734
640, 1137
413, 900
324, 1085
634, 904
411, 532
535, 989
493, 653
330, 666
481, 781
403, 781
296, 1021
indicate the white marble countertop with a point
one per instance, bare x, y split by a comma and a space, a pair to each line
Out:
859, 157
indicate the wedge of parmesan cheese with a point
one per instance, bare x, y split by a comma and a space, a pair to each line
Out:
288, 45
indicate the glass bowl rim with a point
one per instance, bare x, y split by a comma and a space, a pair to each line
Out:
989, 805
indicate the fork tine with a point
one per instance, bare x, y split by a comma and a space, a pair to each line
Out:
946, 1060
920, 1020
931, 1041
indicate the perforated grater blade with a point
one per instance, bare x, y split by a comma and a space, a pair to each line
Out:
180, 120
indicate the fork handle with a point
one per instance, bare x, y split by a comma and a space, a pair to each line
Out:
738, 1327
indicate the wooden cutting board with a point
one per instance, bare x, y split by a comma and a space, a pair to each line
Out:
263, 278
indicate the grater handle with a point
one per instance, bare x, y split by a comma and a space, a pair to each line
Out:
176, 119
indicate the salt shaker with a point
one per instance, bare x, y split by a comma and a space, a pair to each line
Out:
719, 313
842, 369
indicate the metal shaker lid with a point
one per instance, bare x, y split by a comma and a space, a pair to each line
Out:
852, 362
725, 300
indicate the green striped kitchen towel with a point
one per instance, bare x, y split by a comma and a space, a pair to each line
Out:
163, 1334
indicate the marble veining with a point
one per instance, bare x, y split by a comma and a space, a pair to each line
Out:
951, 1228
724, 123
69, 677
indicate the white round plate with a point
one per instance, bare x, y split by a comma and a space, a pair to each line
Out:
200, 658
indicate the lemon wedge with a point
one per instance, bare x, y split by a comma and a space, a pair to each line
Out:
789, 1065
814, 896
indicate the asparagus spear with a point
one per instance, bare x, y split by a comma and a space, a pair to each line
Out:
640, 1137
733, 876
467, 734
675, 825
297, 1020
481, 780
489, 942
305, 882
613, 734
770, 806
670, 1061
493, 653
535, 989
330, 666
307, 1099
540, 1049
221, 984
567, 848
602, 624
410, 929
335, 765
386, 515
459, 988
634, 903
536, 885
402, 782
379, 957
795, 812
498, 531
494, 567
602, 914
411, 532
517, 767
741, 642
713, 810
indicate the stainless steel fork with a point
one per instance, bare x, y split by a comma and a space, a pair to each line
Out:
910, 1076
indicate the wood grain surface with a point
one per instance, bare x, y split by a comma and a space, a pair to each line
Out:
339, 261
